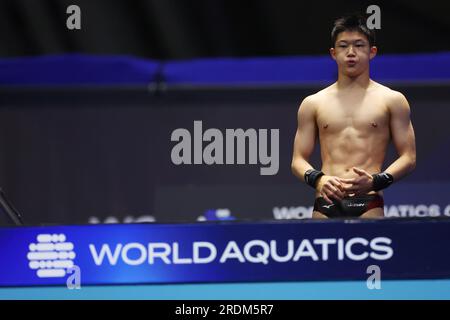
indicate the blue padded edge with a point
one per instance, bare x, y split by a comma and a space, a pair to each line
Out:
76, 69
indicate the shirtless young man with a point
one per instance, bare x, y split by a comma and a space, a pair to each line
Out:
355, 118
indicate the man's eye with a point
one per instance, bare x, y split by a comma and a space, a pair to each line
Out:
342, 46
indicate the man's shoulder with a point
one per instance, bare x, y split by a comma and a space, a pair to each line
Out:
315, 98
395, 101
389, 94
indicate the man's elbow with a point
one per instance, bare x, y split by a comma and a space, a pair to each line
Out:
412, 163
293, 168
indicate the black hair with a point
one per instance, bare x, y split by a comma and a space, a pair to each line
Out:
352, 22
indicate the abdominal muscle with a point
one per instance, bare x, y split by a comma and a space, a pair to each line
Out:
339, 156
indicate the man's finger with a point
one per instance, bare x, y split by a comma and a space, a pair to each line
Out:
352, 188
329, 190
359, 171
362, 172
335, 193
349, 181
334, 196
339, 193
337, 184
326, 198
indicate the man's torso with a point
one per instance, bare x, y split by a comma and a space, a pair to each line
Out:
353, 128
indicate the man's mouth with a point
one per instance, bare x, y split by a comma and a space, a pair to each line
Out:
351, 63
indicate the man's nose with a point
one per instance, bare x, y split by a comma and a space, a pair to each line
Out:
351, 51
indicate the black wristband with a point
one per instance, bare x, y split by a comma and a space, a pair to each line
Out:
382, 180
311, 176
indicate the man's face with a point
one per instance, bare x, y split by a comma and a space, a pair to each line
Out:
352, 53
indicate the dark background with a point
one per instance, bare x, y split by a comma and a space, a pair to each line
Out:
71, 155
96, 154
176, 29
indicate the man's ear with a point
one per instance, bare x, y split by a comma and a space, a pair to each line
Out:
333, 53
373, 52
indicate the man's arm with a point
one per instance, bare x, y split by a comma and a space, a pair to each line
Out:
329, 187
305, 138
402, 136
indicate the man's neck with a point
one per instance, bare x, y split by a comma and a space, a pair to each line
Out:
361, 81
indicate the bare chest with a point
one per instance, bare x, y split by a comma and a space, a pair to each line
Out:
364, 118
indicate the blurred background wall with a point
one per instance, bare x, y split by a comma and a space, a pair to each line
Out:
174, 29
86, 116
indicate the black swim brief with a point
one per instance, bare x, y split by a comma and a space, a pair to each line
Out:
349, 206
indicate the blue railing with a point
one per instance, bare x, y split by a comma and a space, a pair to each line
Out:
78, 69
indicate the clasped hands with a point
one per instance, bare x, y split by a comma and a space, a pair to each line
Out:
331, 187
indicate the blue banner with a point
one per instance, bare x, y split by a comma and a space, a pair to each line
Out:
225, 252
